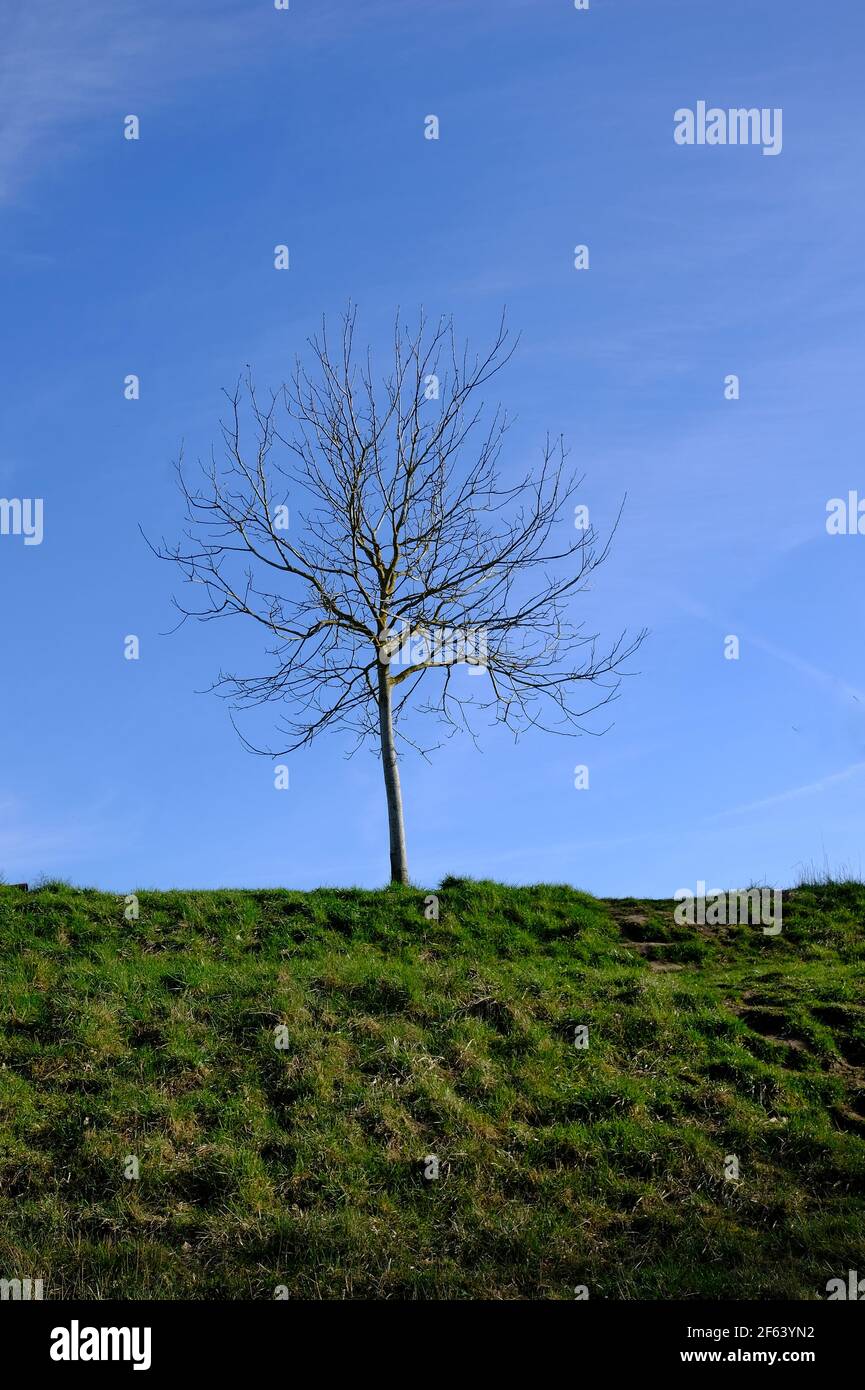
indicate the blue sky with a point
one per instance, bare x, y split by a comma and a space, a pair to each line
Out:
306, 127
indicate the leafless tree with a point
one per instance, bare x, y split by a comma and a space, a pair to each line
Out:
407, 556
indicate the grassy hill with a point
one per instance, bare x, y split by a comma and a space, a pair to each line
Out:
404, 1037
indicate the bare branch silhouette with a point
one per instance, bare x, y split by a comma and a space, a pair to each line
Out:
406, 555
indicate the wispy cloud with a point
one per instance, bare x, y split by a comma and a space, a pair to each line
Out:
835, 685
62, 65
794, 793
841, 690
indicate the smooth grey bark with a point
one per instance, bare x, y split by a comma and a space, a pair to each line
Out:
393, 790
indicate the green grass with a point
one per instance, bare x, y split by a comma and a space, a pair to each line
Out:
559, 1166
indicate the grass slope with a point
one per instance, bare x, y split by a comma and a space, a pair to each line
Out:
559, 1166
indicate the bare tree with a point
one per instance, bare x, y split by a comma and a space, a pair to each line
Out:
407, 556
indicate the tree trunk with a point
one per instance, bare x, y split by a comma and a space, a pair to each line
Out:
398, 858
